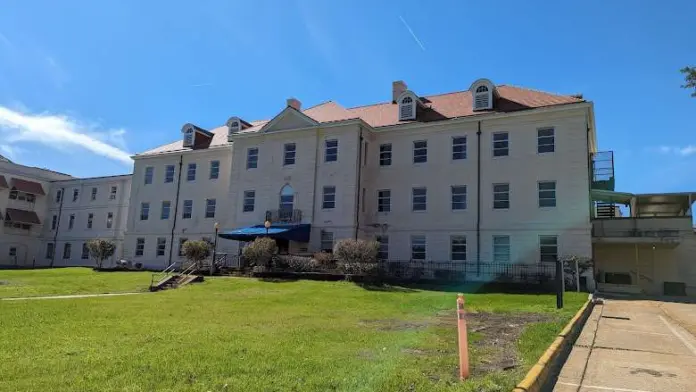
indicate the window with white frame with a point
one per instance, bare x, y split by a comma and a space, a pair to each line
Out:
420, 151
419, 199
458, 197
144, 211
112, 194
501, 144
169, 174
214, 170
54, 222
547, 193
182, 241
191, 172
166, 208
12, 252
109, 220
501, 196
75, 194
328, 197
287, 200
483, 98
94, 194
458, 248
187, 211
161, 246
458, 148
383, 252
85, 251
139, 247
210, 205
548, 248
67, 249
59, 196
407, 109
501, 248
546, 140
289, 151
418, 247
188, 137
327, 239
331, 150
90, 220
71, 222
249, 201
385, 154
149, 174
252, 158
384, 200
50, 250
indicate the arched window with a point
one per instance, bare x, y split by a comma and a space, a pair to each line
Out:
483, 98
188, 137
407, 109
287, 199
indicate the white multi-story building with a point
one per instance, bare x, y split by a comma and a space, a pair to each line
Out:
24, 194
80, 210
179, 192
492, 173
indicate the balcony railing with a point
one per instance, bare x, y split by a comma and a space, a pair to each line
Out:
666, 228
284, 216
603, 170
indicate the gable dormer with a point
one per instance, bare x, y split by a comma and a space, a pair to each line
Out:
408, 103
483, 94
196, 137
235, 125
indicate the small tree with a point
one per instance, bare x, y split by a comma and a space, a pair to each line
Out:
689, 78
196, 251
584, 264
260, 252
100, 250
356, 256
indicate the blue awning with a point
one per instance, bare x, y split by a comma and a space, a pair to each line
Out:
299, 233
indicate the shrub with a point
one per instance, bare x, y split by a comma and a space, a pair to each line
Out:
325, 260
301, 264
196, 251
356, 251
260, 252
258, 269
584, 264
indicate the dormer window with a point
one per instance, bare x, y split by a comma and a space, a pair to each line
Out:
407, 108
188, 137
482, 92
235, 125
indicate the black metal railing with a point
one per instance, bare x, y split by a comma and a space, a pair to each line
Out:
635, 233
455, 271
284, 216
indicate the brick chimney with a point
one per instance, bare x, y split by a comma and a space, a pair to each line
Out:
294, 103
398, 87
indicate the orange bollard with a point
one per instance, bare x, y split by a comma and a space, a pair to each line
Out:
463, 340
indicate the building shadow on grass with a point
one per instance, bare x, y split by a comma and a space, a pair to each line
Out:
385, 287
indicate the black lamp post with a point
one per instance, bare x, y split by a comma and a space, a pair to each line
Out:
212, 263
267, 225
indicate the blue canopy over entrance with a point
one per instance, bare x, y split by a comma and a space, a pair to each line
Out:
298, 233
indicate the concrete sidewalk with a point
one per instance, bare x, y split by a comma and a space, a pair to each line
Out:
68, 296
632, 346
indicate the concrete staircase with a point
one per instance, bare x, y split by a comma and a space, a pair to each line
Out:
171, 279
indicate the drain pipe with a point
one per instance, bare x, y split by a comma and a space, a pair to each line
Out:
359, 185
176, 209
55, 236
478, 200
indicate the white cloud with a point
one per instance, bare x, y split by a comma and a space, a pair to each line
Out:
10, 152
60, 132
681, 151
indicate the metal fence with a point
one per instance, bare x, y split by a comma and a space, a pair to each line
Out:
413, 270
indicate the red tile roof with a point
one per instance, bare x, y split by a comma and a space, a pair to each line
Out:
28, 186
22, 216
3, 182
436, 108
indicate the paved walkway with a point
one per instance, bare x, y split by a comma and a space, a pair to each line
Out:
633, 346
68, 296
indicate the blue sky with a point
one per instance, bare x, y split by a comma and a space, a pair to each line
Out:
83, 84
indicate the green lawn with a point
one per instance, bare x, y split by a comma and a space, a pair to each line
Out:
64, 281
237, 334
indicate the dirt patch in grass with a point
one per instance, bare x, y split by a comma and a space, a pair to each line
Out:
496, 336
396, 324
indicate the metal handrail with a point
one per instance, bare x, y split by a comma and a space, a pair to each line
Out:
164, 273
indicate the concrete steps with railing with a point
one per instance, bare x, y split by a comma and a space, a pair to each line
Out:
170, 278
